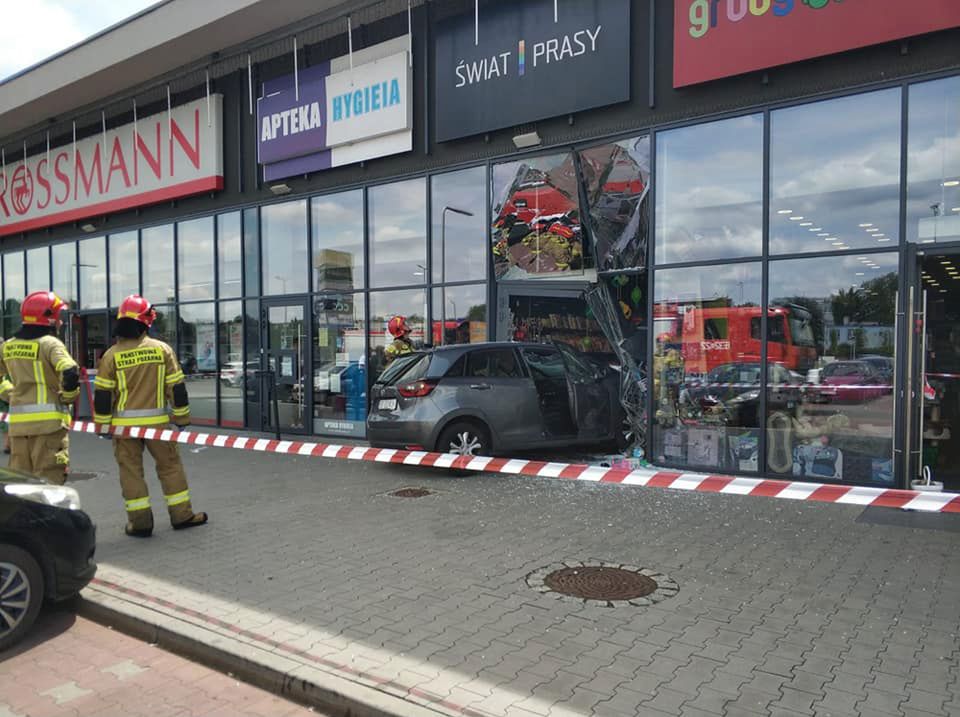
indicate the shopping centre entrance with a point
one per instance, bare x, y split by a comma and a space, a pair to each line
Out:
933, 382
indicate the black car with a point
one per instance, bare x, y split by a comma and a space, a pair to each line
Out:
736, 388
46, 549
487, 398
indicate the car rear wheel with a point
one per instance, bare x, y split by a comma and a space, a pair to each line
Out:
465, 438
21, 594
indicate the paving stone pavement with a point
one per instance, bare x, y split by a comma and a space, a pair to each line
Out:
69, 666
783, 608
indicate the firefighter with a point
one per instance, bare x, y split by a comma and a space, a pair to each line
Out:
401, 345
42, 381
137, 378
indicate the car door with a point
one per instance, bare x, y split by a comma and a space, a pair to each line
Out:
548, 372
589, 396
494, 385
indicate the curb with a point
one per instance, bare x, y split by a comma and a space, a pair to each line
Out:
286, 678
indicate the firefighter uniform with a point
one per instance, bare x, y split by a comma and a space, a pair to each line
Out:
42, 381
136, 380
401, 345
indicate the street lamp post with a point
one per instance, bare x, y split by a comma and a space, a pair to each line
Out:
443, 263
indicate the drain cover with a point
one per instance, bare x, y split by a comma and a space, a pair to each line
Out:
598, 582
411, 493
80, 475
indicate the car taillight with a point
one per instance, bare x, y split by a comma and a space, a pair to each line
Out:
416, 389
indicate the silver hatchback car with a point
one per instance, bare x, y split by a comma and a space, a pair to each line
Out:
494, 398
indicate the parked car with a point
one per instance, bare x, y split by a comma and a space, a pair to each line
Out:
233, 373
47, 546
851, 382
482, 399
737, 387
883, 365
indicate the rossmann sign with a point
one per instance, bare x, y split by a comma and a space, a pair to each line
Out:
162, 157
720, 38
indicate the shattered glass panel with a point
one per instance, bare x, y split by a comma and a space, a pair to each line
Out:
536, 229
617, 181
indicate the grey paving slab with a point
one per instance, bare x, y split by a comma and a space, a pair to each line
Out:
783, 607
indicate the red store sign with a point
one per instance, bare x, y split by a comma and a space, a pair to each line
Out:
164, 157
720, 38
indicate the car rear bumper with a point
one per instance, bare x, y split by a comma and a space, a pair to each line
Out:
408, 435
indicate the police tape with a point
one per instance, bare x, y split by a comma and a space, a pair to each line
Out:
652, 477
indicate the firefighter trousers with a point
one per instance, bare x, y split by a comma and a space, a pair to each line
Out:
46, 455
173, 480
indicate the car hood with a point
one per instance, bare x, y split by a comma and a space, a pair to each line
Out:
11, 476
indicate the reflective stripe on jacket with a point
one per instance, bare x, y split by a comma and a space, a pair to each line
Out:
140, 375
35, 367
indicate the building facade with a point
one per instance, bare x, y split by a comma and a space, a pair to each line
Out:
767, 192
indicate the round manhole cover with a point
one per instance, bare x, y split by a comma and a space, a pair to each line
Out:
593, 583
410, 493
607, 584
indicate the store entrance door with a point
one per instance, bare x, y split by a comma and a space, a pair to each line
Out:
87, 336
286, 394
933, 383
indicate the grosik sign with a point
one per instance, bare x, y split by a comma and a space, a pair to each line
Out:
720, 38
337, 116
160, 158
524, 63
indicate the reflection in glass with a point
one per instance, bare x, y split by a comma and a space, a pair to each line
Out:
252, 379
285, 267
706, 367
536, 226
230, 361
198, 358
463, 319
124, 266
251, 252
14, 289
195, 259
229, 255
157, 250
457, 237
617, 181
93, 272
64, 263
710, 191
835, 420
38, 269
835, 174
384, 306
398, 233
165, 325
339, 365
286, 359
337, 241
933, 162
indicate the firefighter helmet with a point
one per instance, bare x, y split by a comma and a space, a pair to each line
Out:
398, 326
42, 308
137, 308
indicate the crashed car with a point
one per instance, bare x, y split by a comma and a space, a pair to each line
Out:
494, 398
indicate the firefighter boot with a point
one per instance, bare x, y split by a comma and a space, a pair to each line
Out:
173, 479
129, 455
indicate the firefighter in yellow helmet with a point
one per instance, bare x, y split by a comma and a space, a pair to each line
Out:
137, 378
401, 344
42, 381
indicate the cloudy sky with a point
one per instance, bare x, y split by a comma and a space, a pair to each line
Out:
36, 29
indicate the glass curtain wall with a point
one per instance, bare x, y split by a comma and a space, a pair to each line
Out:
124, 266
14, 290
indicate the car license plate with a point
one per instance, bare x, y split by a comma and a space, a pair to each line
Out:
387, 404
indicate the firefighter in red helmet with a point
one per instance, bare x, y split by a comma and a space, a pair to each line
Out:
43, 381
138, 377
401, 344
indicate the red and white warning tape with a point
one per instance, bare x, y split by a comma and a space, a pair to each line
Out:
649, 477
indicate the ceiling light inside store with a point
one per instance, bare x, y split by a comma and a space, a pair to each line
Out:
860, 273
864, 226
806, 224
952, 183
796, 219
815, 229
823, 234
884, 239
785, 211
955, 209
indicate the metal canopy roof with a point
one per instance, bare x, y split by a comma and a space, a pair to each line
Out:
162, 40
